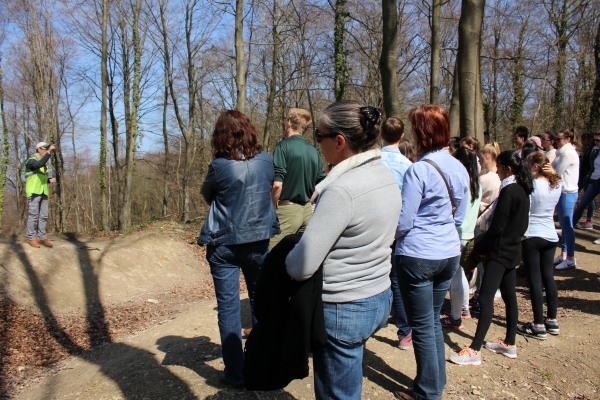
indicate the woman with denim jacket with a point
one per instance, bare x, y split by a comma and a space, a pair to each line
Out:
350, 234
240, 222
427, 242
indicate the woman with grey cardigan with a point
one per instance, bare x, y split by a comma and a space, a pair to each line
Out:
350, 234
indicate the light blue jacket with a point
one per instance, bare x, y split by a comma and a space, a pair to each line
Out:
426, 228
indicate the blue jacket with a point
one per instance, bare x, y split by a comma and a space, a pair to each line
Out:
239, 194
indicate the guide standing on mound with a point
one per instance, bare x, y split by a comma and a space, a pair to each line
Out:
298, 169
36, 188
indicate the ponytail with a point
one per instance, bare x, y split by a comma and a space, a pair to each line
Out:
520, 168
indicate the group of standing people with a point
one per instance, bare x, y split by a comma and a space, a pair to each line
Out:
388, 228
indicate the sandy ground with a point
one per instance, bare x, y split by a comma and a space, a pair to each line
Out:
177, 355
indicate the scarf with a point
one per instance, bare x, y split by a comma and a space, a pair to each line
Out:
505, 182
347, 165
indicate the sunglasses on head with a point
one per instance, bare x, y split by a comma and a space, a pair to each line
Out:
320, 136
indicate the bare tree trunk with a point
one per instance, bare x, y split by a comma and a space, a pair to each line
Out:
273, 79
594, 117
240, 74
469, 44
339, 50
103, 126
165, 202
131, 134
388, 59
434, 90
4, 156
454, 113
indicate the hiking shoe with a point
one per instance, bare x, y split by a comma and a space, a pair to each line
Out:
33, 243
552, 327
502, 348
567, 264
466, 356
585, 225
558, 259
405, 343
466, 314
452, 323
46, 243
530, 330
223, 379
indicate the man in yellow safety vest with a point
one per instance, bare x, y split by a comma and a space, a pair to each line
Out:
36, 188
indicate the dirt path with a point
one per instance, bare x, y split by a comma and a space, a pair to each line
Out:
179, 357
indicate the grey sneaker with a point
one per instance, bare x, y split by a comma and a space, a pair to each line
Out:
552, 327
466, 356
530, 330
566, 265
502, 348
558, 259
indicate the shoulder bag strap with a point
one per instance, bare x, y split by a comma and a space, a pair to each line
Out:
445, 181
485, 209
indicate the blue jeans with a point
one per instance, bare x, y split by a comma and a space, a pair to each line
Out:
338, 365
585, 183
398, 304
424, 284
587, 201
566, 204
225, 263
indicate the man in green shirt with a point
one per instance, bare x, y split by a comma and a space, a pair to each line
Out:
298, 169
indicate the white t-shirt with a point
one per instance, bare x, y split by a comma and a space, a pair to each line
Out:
541, 213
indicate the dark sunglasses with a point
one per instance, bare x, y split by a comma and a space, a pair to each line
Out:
320, 136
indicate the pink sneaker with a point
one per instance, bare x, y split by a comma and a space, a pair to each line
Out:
406, 342
586, 225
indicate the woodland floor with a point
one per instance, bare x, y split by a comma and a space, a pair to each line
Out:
99, 329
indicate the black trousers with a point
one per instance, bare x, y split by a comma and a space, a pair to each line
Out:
538, 256
496, 276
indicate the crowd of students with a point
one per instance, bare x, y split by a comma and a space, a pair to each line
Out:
431, 200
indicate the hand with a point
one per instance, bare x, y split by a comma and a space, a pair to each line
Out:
52, 147
548, 169
52, 180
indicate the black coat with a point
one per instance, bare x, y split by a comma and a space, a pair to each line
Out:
502, 241
290, 323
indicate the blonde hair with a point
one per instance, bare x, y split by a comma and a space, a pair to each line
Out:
493, 149
300, 119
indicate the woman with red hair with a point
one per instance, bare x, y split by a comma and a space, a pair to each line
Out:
239, 224
427, 243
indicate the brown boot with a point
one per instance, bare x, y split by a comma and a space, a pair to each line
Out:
46, 243
33, 243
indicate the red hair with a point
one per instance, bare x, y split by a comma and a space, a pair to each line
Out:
431, 127
234, 137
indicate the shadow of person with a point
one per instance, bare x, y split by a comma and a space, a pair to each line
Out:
137, 373
192, 353
380, 373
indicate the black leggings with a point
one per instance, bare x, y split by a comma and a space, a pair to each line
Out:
496, 276
538, 256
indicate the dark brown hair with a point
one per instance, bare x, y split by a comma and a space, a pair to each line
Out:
408, 150
471, 143
234, 137
392, 130
431, 127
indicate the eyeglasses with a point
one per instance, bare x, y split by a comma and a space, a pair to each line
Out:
320, 136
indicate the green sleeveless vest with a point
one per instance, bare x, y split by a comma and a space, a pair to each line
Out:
36, 181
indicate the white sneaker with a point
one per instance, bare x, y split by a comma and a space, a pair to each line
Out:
558, 259
597, 241
567, 264
498, 295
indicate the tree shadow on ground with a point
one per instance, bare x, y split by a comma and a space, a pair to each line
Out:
134, 370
